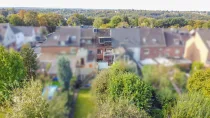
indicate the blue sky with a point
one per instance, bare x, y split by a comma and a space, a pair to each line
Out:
182, 5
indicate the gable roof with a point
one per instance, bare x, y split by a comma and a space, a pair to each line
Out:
63, 34
103, 33
87, 33
152, 37
205, 36
128, 37
26, 30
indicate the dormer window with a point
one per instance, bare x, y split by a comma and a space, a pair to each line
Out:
55, 37
154, 40
62, 43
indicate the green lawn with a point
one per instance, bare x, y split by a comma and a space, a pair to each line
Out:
84, 104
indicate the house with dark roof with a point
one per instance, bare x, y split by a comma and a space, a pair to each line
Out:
64, 40
175, 44
103, 45
29, 34
129, 38
7, 36
152, 43
198, 46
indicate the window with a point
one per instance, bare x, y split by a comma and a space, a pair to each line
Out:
146, 51
160, 49
177, 51
144, 40
55, 37
82, 61
99, 51
154, 40
89, 42
90, 52
73, 51
62, 43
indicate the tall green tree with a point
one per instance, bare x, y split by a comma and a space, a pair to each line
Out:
115, 20
30, 18
15, 20
12, 72
64, 71
30, 62
98, 22
73, 21
2, 19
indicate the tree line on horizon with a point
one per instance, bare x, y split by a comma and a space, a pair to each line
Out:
51, 20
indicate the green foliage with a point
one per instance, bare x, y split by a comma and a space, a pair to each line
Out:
30, 18
57, 106
30, 62
10, 78
129, 86
180, 79
196, 66
73, 21
122, 24
158, 77
200, 82
48, 66
115, 20
119, 81
15, 20
28, 102
192, 105
100, 86
64, 71
98, 22
2, 19
73, 83
120, 109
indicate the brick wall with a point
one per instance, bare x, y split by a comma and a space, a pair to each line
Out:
56, 50
154, 52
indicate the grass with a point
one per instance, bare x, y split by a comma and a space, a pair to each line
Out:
84, 104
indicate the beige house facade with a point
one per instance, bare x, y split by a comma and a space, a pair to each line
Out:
197, 48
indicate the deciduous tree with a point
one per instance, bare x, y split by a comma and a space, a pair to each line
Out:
30, 62
98, 22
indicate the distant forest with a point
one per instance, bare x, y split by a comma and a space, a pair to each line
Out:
108, 13
101, 18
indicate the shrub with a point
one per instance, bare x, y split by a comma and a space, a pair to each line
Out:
196, 66
200, 82
120, 109
191, 105
28, 102
57, 106
100, 86
129, 86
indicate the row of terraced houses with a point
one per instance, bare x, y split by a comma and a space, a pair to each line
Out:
91, 49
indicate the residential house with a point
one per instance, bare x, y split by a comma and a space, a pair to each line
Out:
63, 40
7, 36
19, 38
40, 34
104, 45
152, 43
198, 46
127, 38
175, 44
29, 34
88, 41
